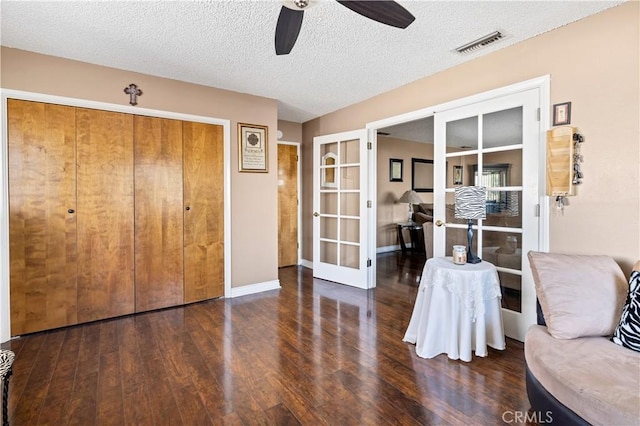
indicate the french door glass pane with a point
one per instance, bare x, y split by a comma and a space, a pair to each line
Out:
458, 237
504, 208
329, 228
329, 148
462, 135
502, 128
349, 256
350, 203
329, 203
350, 177
350, 230
329, 252
350, 152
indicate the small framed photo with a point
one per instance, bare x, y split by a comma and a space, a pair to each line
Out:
253, 141
562, 114
457, 175
395, 169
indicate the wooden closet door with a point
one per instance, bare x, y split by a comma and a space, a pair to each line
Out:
158, 213
204, 211
105, 214
42, 220
287, 205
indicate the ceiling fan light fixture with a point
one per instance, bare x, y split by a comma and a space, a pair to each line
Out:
298, 4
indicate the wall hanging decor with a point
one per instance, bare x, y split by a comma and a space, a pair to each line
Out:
253, 141
562, 114
563, 163
133, 92
395, 169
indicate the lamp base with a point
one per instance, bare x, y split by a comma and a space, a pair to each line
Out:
474, 259
471, 258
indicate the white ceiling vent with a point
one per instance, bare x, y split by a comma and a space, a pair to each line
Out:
480, 43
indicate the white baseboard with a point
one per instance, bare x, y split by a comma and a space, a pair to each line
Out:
255, 288
306, 263
387, 249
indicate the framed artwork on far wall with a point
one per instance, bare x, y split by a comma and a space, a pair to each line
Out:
562, 114
395, 169
457, 175
421, 175
253, 141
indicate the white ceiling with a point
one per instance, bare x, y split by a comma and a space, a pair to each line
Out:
340, 57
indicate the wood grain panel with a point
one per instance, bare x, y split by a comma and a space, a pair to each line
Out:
42, 234
105, 214
287, 205
158, 213
204, 219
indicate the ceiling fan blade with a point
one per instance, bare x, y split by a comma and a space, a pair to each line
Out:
386, 12
287, 29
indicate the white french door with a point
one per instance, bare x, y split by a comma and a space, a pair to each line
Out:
493, 144
340, 239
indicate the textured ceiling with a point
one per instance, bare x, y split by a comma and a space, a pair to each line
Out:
340, 57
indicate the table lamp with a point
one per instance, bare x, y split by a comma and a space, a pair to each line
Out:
410, 197
471, 204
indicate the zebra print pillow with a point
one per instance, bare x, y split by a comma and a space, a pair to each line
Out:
627, 333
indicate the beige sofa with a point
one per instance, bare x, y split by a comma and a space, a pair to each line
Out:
575, 373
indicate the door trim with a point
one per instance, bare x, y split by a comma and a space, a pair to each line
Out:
5, 305
299, 195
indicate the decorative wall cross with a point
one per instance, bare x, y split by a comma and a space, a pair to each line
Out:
133, 93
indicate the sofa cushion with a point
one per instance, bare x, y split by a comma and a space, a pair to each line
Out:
627, 333
595, 378
580, 295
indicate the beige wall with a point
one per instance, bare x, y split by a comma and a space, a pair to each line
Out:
254, 245
594, 63
291, 132
389, 210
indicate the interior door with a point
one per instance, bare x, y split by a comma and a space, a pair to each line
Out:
340, 241
105, 214
158, 213
493, 144
287, 205
42, 218
203, 211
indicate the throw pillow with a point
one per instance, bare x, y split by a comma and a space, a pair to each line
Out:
627, 333
580, 295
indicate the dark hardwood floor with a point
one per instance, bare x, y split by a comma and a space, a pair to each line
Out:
310, 353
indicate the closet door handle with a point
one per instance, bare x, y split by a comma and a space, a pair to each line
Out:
71, 211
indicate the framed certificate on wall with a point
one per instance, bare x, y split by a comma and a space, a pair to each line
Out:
253, 141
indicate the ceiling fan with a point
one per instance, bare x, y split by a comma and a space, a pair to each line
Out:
290, 20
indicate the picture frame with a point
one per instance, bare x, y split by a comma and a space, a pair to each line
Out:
421, 175
395, 169
562, 114
457, 175
253, 148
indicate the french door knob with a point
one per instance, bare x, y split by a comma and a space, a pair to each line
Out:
439, 223
316, 214
71, 211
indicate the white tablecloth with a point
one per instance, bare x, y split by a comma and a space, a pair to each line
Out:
457, 310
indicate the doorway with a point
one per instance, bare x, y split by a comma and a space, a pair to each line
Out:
288, 204
507, 186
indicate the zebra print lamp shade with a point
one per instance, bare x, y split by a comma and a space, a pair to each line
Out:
471, 202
